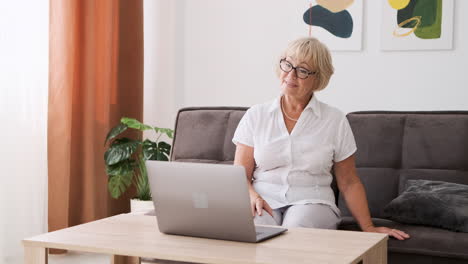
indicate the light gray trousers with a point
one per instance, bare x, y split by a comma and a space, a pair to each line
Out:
302, 215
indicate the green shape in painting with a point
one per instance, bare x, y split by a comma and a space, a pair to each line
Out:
433, 30
427, 10
407, 13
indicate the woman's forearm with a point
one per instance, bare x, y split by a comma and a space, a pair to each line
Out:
244, 157
252, 191
355, 197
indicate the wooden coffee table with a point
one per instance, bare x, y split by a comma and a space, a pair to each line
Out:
127, 237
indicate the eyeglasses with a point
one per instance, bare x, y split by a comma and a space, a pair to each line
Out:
302, 73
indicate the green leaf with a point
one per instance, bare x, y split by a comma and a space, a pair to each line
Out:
121, 168
121, 149
170, 133
135, 124
118, 184
162, 156
167, 131
117, 130
149, 149
120, 177
164, 147
141, 182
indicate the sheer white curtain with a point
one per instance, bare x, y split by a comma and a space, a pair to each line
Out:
24, 38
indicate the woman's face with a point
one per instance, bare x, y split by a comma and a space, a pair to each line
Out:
291, 84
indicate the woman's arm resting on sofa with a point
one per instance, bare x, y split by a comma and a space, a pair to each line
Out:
354, 194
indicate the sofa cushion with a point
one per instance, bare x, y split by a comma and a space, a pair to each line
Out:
403, 258
229, 149
205, 133
435, 203
436, 142
424, 240
454, 176
381, 184
378, 139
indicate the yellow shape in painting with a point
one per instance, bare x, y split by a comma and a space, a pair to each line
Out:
335, 6
418, 22
398, 4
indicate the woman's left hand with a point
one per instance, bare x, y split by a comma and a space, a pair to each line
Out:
398, 234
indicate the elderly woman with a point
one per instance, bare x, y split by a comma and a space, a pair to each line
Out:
290, 145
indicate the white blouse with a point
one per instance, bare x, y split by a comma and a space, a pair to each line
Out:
296, 168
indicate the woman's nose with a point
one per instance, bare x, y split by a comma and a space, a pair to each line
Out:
292, 73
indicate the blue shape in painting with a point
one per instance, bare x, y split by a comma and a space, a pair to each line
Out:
339, 24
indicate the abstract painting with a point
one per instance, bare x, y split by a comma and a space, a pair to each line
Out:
417, 25
337, 23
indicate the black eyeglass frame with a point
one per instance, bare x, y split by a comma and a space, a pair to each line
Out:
309, 73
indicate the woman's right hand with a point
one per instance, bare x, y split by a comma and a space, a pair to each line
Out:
257, 204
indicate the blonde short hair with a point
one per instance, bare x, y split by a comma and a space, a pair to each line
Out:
313, 52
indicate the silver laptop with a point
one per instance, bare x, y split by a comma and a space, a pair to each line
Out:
204, 200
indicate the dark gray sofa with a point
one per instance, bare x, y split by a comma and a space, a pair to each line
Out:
392, 148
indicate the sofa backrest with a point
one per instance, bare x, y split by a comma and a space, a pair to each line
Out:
204, 134
392, 147
396, 146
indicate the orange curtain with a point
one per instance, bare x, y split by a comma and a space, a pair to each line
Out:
95, 78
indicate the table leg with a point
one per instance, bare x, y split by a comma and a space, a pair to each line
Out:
377, 255
118, 259
35, 255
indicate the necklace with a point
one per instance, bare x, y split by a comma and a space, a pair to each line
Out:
284, 112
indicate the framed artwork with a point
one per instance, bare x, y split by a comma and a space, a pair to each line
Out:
337, 23
417, 25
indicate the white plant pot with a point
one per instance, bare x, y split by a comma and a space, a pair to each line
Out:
139, 206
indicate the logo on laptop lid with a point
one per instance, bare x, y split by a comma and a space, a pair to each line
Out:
200, 200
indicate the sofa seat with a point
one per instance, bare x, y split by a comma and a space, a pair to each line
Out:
425, 240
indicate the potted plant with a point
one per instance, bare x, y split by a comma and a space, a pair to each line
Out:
125, 160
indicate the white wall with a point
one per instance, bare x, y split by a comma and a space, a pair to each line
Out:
159, 49
223, 53
24, 46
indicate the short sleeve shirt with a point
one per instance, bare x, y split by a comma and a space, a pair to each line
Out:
296, 168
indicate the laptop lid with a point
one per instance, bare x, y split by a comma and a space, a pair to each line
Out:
202, 200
